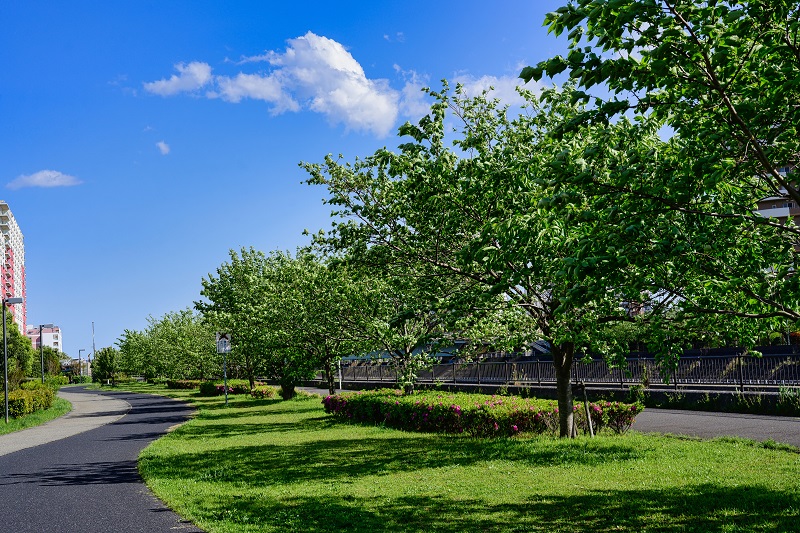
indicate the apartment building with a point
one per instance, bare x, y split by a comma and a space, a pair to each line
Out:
780, 206
12, 268
50, 337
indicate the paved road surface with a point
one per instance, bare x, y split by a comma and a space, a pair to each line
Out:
707, 425
88, 482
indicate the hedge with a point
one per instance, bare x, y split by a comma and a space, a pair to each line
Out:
216, 388
22, 402
475, 414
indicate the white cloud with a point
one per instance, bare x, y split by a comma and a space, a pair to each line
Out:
44, 178
192, 77
314, 72
163, 147
414, 103
503, 88
326, 77
255, 86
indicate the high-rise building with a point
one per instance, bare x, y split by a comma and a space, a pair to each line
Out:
50, 337
12, 268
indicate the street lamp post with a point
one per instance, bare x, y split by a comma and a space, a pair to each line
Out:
41, 345
80, 366
7, 301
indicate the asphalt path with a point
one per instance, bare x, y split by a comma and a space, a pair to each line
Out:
88, 481
782, 429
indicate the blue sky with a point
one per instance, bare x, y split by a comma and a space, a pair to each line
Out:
140, 141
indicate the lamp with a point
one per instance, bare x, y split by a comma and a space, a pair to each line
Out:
41, 345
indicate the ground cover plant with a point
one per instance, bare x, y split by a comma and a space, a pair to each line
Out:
475, 414
273, 465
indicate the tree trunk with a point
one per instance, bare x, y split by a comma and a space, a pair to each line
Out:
562, 361
330, 374
288, 389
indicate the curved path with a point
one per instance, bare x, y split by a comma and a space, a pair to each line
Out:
79, 473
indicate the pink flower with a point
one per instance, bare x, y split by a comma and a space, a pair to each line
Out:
515, 428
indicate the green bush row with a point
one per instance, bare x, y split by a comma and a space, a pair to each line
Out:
475, 414
215, 388
183, 383
25, 401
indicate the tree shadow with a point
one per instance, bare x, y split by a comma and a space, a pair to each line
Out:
342, 459
699, 508
99, 473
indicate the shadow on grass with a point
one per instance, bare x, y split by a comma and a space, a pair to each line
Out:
343, 459
700, 508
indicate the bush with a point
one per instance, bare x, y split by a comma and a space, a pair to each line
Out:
55, 382
475, 414
183, 383
208, 388
28, 400
81, 379
238, 386
264, 392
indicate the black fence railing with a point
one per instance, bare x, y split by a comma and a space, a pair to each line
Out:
730, 369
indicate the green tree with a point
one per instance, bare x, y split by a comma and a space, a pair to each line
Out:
723, 76
245, 300
482, 215
106, 364
20, 353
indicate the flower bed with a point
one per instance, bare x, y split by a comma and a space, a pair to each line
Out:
475, 414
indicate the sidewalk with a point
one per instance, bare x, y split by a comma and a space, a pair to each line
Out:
89, 411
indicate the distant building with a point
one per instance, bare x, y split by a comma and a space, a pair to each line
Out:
780, 206
50, 337
12, 269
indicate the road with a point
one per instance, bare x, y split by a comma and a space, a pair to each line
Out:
88, 481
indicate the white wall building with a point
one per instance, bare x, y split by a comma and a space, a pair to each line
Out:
50, 337
12, 268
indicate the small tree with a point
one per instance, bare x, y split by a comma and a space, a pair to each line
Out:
106, 364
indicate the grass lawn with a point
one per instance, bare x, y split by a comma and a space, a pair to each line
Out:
272, 465
59, 407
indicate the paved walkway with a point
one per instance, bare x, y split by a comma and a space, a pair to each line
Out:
89, 411
80, 473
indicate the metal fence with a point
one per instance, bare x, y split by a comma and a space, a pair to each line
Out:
731, 369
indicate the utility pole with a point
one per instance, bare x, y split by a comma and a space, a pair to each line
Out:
94, 352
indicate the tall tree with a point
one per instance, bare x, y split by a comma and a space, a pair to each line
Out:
106, 364
20, 353
236, 303
723, 76
481, 215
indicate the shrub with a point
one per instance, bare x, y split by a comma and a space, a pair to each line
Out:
81, 379
28, 400
264, 392
56, 381
238, 386
474, 414
183, 384
208, 388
